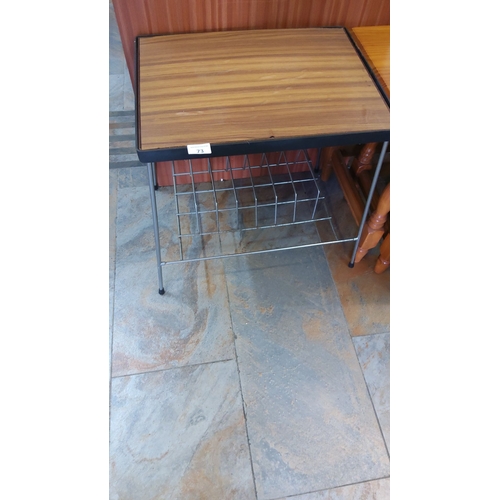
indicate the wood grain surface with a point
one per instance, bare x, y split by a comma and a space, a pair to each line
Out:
148, 17
239, 86
374, 42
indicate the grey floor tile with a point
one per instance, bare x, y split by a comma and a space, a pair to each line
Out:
112, 248
116, 56
371, 490
179, 435
115, 142
132, 177
117, 158
113, 184
128, 92
374, 355
121, 119
120, 129
364, 295
135, 237
189, 324
310, 420
116, 89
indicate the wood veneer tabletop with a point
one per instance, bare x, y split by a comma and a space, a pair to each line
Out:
375, 44
255, 85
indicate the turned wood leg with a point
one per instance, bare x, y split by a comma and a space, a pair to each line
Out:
361, 167
374, 228
348, 186
383, 260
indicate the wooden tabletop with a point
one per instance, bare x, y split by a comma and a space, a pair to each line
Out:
258, 86
374, 42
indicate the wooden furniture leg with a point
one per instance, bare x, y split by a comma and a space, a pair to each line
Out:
361, 166
326, 163
383, 260
332, 161
374, 228
348, 186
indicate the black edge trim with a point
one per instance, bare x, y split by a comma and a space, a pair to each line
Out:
368, 68
265, 146
136, 96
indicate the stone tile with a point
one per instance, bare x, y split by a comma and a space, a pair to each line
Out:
374, 355
179, 434
128, 129
116, 56
364, 295
128, 92
135, 237
116, 93
112, 248
190, 323
310, 420
132, 177
113, 184
113, 143
371, 490
116, 158
275, 237
120, 117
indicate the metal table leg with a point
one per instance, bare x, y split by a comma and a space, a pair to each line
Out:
152, 194
368, 201
154, 176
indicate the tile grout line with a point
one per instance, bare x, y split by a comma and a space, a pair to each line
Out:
173, 368
243, 406
331, 489
371, 400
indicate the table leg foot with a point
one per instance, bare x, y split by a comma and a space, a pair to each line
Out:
161, 291
351, 264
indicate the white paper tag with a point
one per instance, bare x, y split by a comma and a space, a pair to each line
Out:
199, 149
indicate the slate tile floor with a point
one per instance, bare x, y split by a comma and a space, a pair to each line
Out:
262, 377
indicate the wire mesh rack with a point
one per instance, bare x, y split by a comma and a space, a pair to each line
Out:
248, 204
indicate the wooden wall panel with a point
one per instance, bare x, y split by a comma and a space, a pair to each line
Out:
164, 169
145, 17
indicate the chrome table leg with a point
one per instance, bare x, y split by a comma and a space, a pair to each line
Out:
368, 201
152, 194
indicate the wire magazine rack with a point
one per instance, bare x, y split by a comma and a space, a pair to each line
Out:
225, 208
225, 204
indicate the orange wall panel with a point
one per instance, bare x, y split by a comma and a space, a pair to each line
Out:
147, 17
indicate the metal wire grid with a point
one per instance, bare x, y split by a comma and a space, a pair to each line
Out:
273, 194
